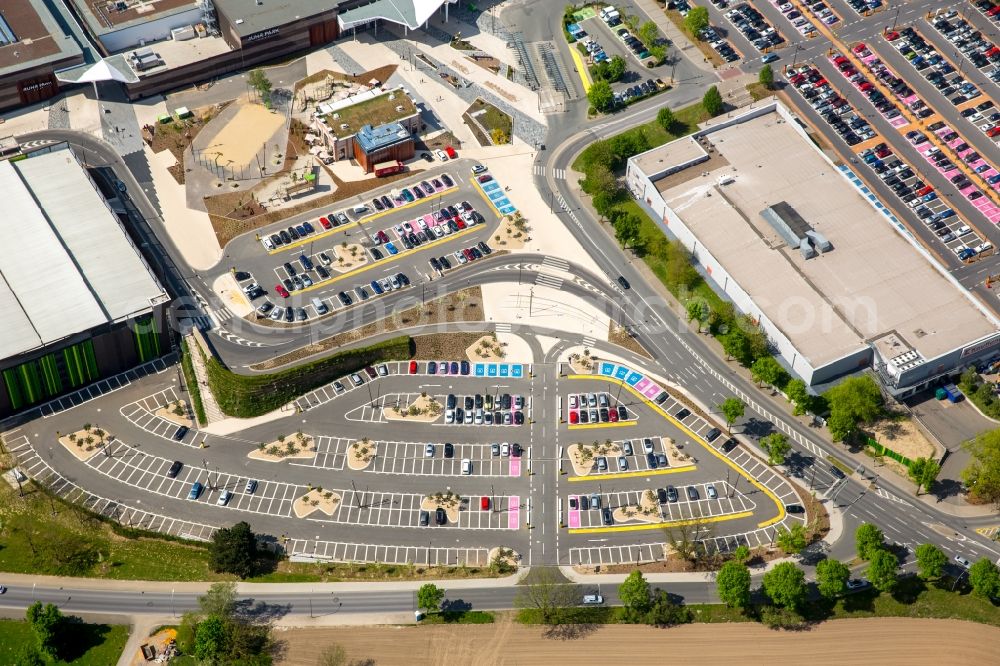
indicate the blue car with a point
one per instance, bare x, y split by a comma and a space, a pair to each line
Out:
945, 214
195, 491
308, 227
306, 262
377, 288
301, 230
993, 180
930, 197
390, 248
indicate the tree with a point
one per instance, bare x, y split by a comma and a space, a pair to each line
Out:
831, 578
854, 401
733, 584
210, 638
333, 655
696, 21
627, 229
785, 585
798, 394
766, 77
793, 540
984, 576
648, 34
548, 595
777, 447
29, 656
882, 569
600, 95
634, 594
982, 475
234, 550
429, 597
732, 409
220, 600
741, 554
257, 80
45, 621
615, 68
737, 345
868, 538
766, 370
930, 561
665, 118
712, 102
697, 309
924, 472
663, 612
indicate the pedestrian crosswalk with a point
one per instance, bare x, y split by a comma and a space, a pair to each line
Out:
503, 328
544, 280
556, 262
558, 174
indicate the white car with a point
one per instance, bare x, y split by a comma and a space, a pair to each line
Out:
442, 367
572, 402
224, 498
466, 466
268, 245
460, 258
505, 449
647, 445
441, 155
429, 451
449, 416
982, 248
963, 561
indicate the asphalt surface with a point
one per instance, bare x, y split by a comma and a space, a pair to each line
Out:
864, 496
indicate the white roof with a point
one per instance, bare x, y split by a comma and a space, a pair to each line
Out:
72, 267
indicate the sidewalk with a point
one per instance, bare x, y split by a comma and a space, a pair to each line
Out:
195, 342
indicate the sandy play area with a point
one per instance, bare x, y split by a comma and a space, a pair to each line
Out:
244, 135
881, 642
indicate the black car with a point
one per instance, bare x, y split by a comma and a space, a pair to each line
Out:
795, 508
435, 264
293, 233
729, 445
713, 434
285, 237
344, 298
276, 239
449, 450
447, 179
440, 517
445, 264
651, 461
662, 398
405, 281
378, 204
623, 282
179, 434
622, 413
683, 413
606, 515
376, 253
417, 192
386, 201
479, 401
469, 403
451, 401
505, 401
465, 364
518, 418
836, 472
671, 494
175, 469
661, 495
604, 414
484, 247
515, 450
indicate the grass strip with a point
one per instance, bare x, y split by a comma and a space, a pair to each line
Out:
191, 380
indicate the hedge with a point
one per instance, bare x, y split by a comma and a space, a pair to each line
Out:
247, 396
191, 379
881, 450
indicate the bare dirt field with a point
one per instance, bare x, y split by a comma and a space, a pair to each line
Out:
881, 642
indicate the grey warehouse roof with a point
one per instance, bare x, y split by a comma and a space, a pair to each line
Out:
73, 267
248, 17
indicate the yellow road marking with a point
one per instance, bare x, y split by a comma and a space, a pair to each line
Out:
739, 470
581, 68
609, 424
660, 526
626, 475
350, 225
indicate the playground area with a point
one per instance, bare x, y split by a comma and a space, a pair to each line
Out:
243, 140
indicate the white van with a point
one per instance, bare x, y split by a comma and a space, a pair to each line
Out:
321, 308
360, 209
607, 10
593, 599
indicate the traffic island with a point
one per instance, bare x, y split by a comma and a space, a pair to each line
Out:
582, 456
512, 233
676, 457
298, 445
503, 559
424, 409
582, 364
486, 348
349, 256
449, 501
646, 511
316, 499
176, 412
361, 453
86, 442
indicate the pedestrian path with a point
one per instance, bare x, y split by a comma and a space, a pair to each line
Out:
195, 343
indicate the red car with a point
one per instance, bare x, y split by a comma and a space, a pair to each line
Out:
460, 222
484, 503
574, 418
892, 36
613, 415
413, 367
281, 291
451, 152
468, 254
859, 48
326, 223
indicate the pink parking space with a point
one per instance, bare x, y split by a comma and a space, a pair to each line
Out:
514, 469
513, 512
574, 514
898, 121
983, 204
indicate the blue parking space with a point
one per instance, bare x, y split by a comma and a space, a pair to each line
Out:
495, 195
511, 370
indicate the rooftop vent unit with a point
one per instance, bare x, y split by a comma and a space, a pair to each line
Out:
806, 249
819, 240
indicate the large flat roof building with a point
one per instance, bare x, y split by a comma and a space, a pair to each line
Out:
73, 276
32, 47
791, 241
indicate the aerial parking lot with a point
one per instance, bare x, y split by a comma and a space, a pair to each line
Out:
424, 227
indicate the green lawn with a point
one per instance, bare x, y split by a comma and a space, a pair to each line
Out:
458, 617
84, 644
